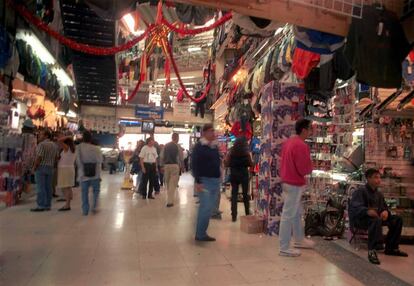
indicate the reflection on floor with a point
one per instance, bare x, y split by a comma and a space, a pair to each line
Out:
136, 242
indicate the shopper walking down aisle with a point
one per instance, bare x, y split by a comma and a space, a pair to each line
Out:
172, 161
239, 161
296, 163
206, 171
46, 156
89, 160
66, 170
148, 156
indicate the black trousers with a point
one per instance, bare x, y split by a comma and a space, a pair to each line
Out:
374, 227
235, 182
200, 108
150, 176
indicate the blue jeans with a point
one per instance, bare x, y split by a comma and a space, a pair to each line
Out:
85, 185
44, 179
208, 200
138, 181
291, 221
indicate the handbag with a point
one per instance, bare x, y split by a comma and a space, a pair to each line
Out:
89, 169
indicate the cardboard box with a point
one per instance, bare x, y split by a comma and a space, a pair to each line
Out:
251, 224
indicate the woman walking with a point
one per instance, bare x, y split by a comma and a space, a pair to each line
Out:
66, 170
239, 160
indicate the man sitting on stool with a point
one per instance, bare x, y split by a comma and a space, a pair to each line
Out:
369, 211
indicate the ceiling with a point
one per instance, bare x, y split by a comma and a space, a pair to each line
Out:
95, 76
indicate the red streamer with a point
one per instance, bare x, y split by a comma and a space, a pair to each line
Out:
180, 81
133, 94
93, 50
167, 70
196, 31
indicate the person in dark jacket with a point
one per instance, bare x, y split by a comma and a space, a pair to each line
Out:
206, 171
239, 160
368, 210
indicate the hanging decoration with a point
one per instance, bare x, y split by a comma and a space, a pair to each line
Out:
84, 48
180, 81
156, 35
36, 112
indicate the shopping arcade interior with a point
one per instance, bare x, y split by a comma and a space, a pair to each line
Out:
85, 87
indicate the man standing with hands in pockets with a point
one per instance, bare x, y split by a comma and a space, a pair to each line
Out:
296, 163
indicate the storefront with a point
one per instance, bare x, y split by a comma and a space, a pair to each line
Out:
268, 82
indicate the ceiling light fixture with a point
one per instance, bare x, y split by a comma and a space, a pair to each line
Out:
130, 23
174, 78
208, 23
194, 49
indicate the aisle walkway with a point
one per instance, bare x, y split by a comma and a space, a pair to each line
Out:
136, 242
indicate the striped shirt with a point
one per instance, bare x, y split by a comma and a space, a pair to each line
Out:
48, 152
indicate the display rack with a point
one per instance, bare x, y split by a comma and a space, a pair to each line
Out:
351, 8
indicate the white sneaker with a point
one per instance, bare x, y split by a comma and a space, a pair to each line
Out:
305, 244
290, 253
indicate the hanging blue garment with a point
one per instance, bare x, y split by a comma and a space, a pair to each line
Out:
5, 47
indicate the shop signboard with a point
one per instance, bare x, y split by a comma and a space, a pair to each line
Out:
144, 111
182, 109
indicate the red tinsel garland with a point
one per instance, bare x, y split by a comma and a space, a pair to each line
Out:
134, 92
93, 50
180, 81
196, 31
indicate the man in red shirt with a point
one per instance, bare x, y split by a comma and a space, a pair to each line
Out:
295, 164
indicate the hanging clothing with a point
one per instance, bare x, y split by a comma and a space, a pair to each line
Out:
376, 46
316, 41
408, 69
201, 105
237, 130
303, 62
6, 47
189, 14
254, 26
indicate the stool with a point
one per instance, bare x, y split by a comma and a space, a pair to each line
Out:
357, 236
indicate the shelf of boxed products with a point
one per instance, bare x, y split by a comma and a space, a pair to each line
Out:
10, 167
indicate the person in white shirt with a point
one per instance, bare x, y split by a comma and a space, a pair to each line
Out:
66, 170
148, 159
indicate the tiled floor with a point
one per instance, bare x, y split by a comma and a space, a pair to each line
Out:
136, 242
399, 267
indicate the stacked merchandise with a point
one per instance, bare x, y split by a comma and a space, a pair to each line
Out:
329, 144
10, 167
343, 119
281, 105
10, 154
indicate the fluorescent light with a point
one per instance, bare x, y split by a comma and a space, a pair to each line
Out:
194, 49
44, 55
174, 78
69, 114
40, 51
62, 76
130, 22
208, 23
